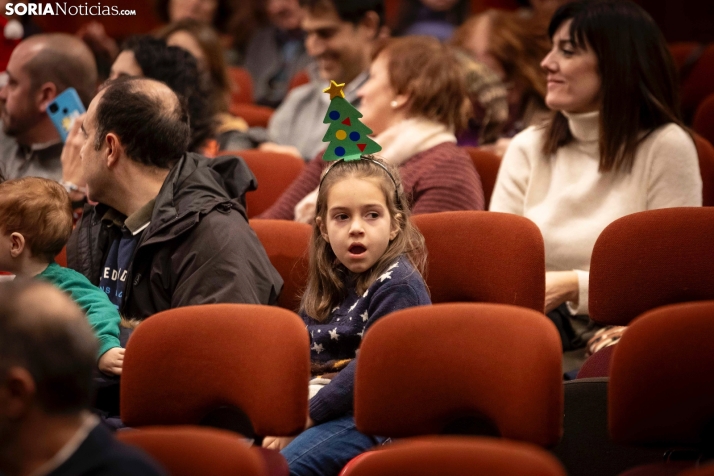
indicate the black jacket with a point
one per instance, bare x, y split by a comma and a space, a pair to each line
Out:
101, 454
198, 248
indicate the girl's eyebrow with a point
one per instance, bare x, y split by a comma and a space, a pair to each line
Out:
367, 205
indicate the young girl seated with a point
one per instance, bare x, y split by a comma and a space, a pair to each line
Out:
365, 262
35, 224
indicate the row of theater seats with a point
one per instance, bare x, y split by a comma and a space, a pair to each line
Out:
639, 262
275, 172
491, 370
695, 62
242, 104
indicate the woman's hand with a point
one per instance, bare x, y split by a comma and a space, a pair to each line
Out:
560, 286
71, 161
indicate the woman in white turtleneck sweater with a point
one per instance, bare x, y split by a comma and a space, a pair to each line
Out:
615, 145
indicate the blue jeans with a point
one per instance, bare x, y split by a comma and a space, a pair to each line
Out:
325, 449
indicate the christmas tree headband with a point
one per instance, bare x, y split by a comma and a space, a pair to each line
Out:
347, 136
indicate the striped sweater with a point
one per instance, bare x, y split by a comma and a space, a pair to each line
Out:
439, 179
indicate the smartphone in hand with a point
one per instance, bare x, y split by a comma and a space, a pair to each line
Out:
64, 110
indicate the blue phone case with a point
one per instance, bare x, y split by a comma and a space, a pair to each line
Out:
64, 110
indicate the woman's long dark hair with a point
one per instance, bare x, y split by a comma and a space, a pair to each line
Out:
639, 90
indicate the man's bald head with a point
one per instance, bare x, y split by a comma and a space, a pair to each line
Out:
151, 121
62, 59
43, 331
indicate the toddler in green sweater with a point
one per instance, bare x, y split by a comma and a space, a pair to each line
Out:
35, 224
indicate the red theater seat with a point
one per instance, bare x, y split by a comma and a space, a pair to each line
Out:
188, 451
286, 243
422, 369
477, 256
274, 171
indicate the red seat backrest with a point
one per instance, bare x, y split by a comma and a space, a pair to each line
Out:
186, 450
487, 165
183, 363
651, 259
452, 456
274, 171
421, 368
255, 116
287, 246
705, 152
661, 390
703, 123
697, 84
242, 90
477, 256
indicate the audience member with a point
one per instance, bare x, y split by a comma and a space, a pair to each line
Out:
513, 48
414, 102
365, 262
276, 52
488, 96
541, 11
217, 13
615, 145
249, 16
145, 56
47, 357
152, 58
437, 18
104, 48
339, 35
40, 68
35, 224
202, 42
170, 227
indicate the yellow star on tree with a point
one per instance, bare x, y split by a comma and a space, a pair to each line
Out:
335, 90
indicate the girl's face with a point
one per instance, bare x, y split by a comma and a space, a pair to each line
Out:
358, 224
380, 105
573, 78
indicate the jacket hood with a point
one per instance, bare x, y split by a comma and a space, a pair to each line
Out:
196, 185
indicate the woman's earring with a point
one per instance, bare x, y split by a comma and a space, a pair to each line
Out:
394, 104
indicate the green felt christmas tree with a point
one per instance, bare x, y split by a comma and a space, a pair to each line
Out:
347, 135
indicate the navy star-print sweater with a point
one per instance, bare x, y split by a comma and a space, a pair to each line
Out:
339, 337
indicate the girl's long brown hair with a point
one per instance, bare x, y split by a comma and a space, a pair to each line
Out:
326, 281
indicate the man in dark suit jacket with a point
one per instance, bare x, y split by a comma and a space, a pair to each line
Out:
47, 356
